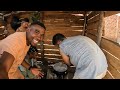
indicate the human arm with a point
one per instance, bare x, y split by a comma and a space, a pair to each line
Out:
65, 57
36, 71
6, 62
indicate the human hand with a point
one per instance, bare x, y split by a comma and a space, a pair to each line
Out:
37, 72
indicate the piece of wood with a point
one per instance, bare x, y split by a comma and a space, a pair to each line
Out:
62, 12
48, 46
113, 71
53, 56
92, 31
112, 60
51, 52
93, 25
108, 76
93, 14
65, 21
111, 47
93, 37
109, 13
100, 28
42, 49
85, 24
62, 16
95, 19
42, 17
53, 61
63, 28
64, 25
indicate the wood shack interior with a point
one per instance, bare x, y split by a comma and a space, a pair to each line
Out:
101, 26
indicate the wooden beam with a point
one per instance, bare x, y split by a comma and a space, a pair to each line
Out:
111, 47
113, 71
95, 19
64, 22
53, 56
108, 76
92, 31
63, 28
41, 47
42, 17
112, 60
62, 12
49, 34
100, 28
62, 16
51, 52
93, 37
109, 13
93, 25
93, 14
85, 23
48, 46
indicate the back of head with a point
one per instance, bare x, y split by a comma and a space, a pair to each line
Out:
15, 23
57, 37
38, 23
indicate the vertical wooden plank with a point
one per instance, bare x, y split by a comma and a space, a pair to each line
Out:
42, 42
100, 27
42, 49
85, 23
42, 17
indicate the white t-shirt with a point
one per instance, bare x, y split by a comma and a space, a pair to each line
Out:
85, 55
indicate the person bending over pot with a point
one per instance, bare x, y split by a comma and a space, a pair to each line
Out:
84, 54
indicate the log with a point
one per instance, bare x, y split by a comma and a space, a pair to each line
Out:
93, 14
111, 47
93, 25
109, 13
85, 23
100, 28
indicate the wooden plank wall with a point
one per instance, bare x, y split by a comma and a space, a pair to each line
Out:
92, 25
60, 22
111, 49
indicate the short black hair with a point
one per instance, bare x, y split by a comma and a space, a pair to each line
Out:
15, 23
38, 23
57, 37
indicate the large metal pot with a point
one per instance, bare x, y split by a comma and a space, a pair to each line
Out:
60, 69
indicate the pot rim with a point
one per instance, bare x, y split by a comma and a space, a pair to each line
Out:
63, 65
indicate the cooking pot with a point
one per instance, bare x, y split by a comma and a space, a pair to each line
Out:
60, 69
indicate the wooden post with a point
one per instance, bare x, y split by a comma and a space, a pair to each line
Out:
85, 23
42, 16
100, 27
42, 49
42, 42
